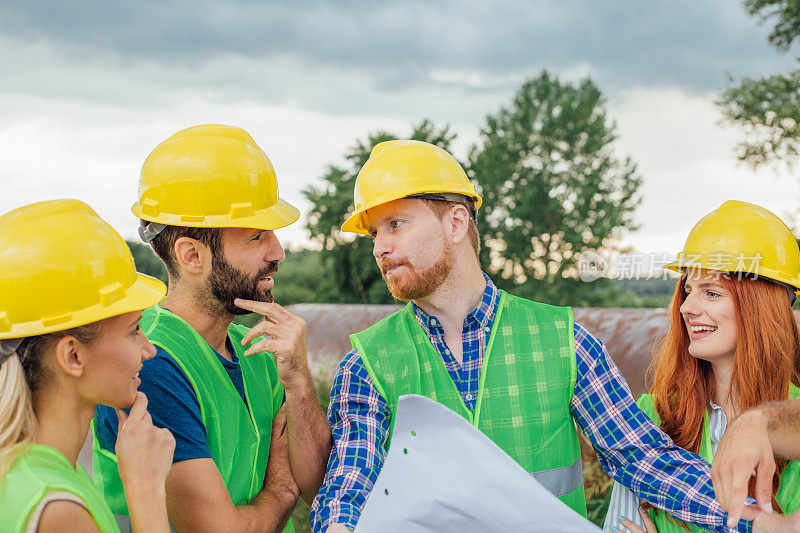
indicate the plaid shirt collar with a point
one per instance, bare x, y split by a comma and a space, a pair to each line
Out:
480, 317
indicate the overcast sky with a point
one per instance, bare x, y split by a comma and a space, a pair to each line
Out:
87, 89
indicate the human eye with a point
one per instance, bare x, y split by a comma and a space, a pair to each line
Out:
712, 294
395, 223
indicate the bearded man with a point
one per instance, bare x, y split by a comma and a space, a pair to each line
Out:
250, 435
522, 372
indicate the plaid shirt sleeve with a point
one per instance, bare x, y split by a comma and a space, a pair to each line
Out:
359, 418
635, 452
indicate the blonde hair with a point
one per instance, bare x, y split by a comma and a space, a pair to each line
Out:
21, 375
17, 421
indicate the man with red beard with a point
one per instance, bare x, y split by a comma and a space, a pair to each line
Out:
522, 372
250, 435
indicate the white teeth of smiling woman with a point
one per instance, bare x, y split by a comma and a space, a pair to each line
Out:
703, 328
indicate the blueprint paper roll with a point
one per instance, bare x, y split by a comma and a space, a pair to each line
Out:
443, 475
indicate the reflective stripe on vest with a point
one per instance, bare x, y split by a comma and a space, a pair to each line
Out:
561, 481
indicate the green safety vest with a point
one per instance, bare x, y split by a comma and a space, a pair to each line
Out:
38, 471
526, 383
238, 437
788, 496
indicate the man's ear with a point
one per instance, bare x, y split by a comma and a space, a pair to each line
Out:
70, 356
458, 222
191, 255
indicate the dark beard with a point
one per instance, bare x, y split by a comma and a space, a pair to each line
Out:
416, 285
228, 283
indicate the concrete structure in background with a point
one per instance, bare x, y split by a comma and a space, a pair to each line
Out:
629, 334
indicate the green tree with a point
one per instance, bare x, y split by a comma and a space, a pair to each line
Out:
301, 278
347, 258
768, 108
147, 262
551, 187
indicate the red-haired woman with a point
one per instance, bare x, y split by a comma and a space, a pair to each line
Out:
732, 344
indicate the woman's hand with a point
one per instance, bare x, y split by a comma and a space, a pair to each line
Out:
630, 525
144, 451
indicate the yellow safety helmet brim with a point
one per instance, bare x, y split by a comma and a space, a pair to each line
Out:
276, 216
358, 222
708, 263
145, 292
742, 238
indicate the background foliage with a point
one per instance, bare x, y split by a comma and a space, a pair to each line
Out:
768, 108
552, 187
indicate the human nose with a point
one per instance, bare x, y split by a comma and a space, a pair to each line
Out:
148, 350
689, 305
274, 249
381, 246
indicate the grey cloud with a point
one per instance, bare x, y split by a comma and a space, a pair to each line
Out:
398, 44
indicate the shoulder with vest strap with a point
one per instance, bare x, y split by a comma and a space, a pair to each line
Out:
648, 407
38, 471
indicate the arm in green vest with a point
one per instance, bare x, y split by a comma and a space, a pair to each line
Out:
198, 499
309, 433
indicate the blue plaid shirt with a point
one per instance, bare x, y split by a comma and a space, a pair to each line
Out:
633, 451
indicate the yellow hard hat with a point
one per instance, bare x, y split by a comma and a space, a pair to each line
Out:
396, 169
742, 237
62, 266
211, 176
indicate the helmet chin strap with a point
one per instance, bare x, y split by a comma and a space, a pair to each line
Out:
789, 288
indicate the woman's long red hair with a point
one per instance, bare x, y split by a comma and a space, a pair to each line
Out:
767, 360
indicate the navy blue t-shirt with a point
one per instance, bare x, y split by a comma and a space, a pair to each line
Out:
172, 404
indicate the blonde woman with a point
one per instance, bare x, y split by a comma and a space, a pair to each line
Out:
70, 302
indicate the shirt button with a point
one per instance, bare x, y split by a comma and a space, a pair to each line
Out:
446, 351
433, 322
469, 397
487, 330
